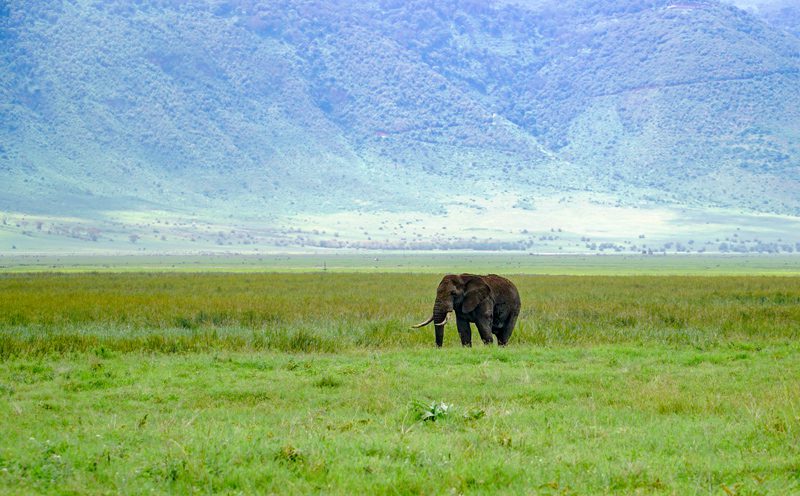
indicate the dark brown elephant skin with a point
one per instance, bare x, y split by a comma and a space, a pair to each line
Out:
490, 302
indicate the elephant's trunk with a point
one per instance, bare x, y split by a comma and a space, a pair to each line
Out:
440, 311
439, 330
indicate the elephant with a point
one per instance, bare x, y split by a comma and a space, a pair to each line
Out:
491, 302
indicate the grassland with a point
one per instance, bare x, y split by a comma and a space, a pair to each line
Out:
435, 263
613, 420
332, 312
130, 382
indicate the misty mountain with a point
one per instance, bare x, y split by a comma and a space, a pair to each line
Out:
269, 111
782, 14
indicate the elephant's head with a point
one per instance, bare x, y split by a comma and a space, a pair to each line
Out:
464, 293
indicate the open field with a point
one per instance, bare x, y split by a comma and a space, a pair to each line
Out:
437, 263
127, 382
523, 420
330, 312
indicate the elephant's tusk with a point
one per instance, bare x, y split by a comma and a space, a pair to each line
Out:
446, 317
422, 324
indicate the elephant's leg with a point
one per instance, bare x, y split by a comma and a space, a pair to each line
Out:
485, 329
465, 331
504, 333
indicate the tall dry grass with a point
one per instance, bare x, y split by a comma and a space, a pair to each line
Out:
168, 312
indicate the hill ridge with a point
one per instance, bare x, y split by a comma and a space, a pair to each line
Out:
238, 111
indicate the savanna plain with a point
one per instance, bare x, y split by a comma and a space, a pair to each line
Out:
312, 382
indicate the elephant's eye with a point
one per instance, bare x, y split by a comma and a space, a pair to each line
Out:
453, 292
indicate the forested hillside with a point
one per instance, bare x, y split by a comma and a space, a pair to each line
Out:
270, 111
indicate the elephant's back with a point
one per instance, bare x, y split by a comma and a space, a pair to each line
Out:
503, 287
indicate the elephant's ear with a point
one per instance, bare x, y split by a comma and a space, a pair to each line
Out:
476, 292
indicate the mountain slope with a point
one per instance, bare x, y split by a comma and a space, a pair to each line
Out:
782, 14
289, 113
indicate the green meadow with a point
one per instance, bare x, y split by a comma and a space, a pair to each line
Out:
298, 382
435, 263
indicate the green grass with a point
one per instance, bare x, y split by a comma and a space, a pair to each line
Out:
313, 383
564, 420
41, 313
433, 263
